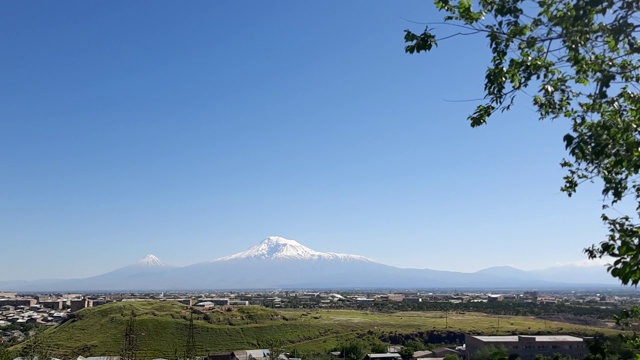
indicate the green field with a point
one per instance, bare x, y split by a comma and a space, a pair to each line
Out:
163, 328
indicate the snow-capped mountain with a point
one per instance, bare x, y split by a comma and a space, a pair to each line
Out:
277, 262
279, 248
150, 261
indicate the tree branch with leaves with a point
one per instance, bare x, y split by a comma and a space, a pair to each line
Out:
579, 60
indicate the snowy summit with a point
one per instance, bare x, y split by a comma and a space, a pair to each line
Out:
279, 248
150, 261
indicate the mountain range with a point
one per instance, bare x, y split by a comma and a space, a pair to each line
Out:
281, 263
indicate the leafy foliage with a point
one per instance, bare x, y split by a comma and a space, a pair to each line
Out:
5, 354
406, 352
588, 313
353, 350
579, 60
415, 345
491, 353
554, 357
379, 347
410, 347
612, 348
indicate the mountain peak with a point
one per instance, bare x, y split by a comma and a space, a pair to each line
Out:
150, 261
280, 241
501, 268
279, 248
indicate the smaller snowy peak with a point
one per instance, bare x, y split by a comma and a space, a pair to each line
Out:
150, 261
279, 248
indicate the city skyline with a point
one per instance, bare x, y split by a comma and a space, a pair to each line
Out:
192, 132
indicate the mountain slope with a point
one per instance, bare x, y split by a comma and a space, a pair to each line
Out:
279, 248
509, 272
596, 274
277, 262
150, 261
281, 263
145, 274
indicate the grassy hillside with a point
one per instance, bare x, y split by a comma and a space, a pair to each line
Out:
163, 328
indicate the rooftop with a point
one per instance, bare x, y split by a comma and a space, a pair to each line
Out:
541, 338
387, 355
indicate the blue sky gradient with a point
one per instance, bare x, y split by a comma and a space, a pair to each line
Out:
194, 130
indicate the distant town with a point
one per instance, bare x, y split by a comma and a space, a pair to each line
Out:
21, 313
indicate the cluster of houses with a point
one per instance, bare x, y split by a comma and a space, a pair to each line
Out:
61, 302
293, 299
209, 303
30, 315
296, 299
526, 347
18, 312
526, 296
265, 354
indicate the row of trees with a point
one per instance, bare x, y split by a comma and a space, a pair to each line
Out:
516, 308
599, 349
356, 349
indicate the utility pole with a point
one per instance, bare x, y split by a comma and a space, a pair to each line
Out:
190, 348
130, 348
446, 319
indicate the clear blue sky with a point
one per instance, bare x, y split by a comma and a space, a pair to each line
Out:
194, 130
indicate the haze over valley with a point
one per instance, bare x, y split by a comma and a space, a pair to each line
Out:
277, 262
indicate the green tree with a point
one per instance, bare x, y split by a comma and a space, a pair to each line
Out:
491, 353
314, 356
451, 357
407, 352
378, 347
353, 350
554, 357
578, 60
275, 346
5, 354
410, 347
612, 348
415, 345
